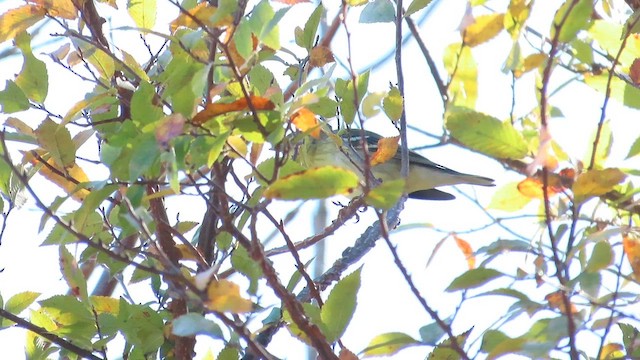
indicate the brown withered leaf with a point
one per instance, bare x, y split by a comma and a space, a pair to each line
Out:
634, 71
555, 300
320, 56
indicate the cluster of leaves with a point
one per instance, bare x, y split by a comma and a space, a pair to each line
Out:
193, 122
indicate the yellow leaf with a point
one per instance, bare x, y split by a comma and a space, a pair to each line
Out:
531, 62
612, 351
596, 183
508, 198
224, 296
387, 148
203, 12
483, 29
66, 178
238, 145
58, 8
105, 304
304, 119
18, 20
631, 246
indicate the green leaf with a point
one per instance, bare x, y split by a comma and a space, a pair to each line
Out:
635, 149
605, 140
371, 104
316, 183
340, 306
386, 195
445, 350
308, 35
142, 326
630, 338
473, 278
620, 90
432, 333
243, 41
492, 338
33, 78
56, 139
72, 274
590, 283
486, 134
264, 23
577, 19
266, 170
244, 264
378, 11
393, 104
416, 5
143, 109
13, 99
19, 302
312, 312
228, 353
195, 324
345, 91
145, 153
143, 12
601, 257
609, 36
388, 344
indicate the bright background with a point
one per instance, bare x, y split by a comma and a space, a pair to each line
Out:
385, 303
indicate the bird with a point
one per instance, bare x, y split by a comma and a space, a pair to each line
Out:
344, 149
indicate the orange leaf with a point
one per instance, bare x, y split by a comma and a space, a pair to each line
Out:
304, 119
215, 109
467, 251
556, 301
68, 179
223, 295
631, 246
387, 148
320, 55
532, 187
18, 20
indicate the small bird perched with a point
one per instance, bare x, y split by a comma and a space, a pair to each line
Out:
424, 175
